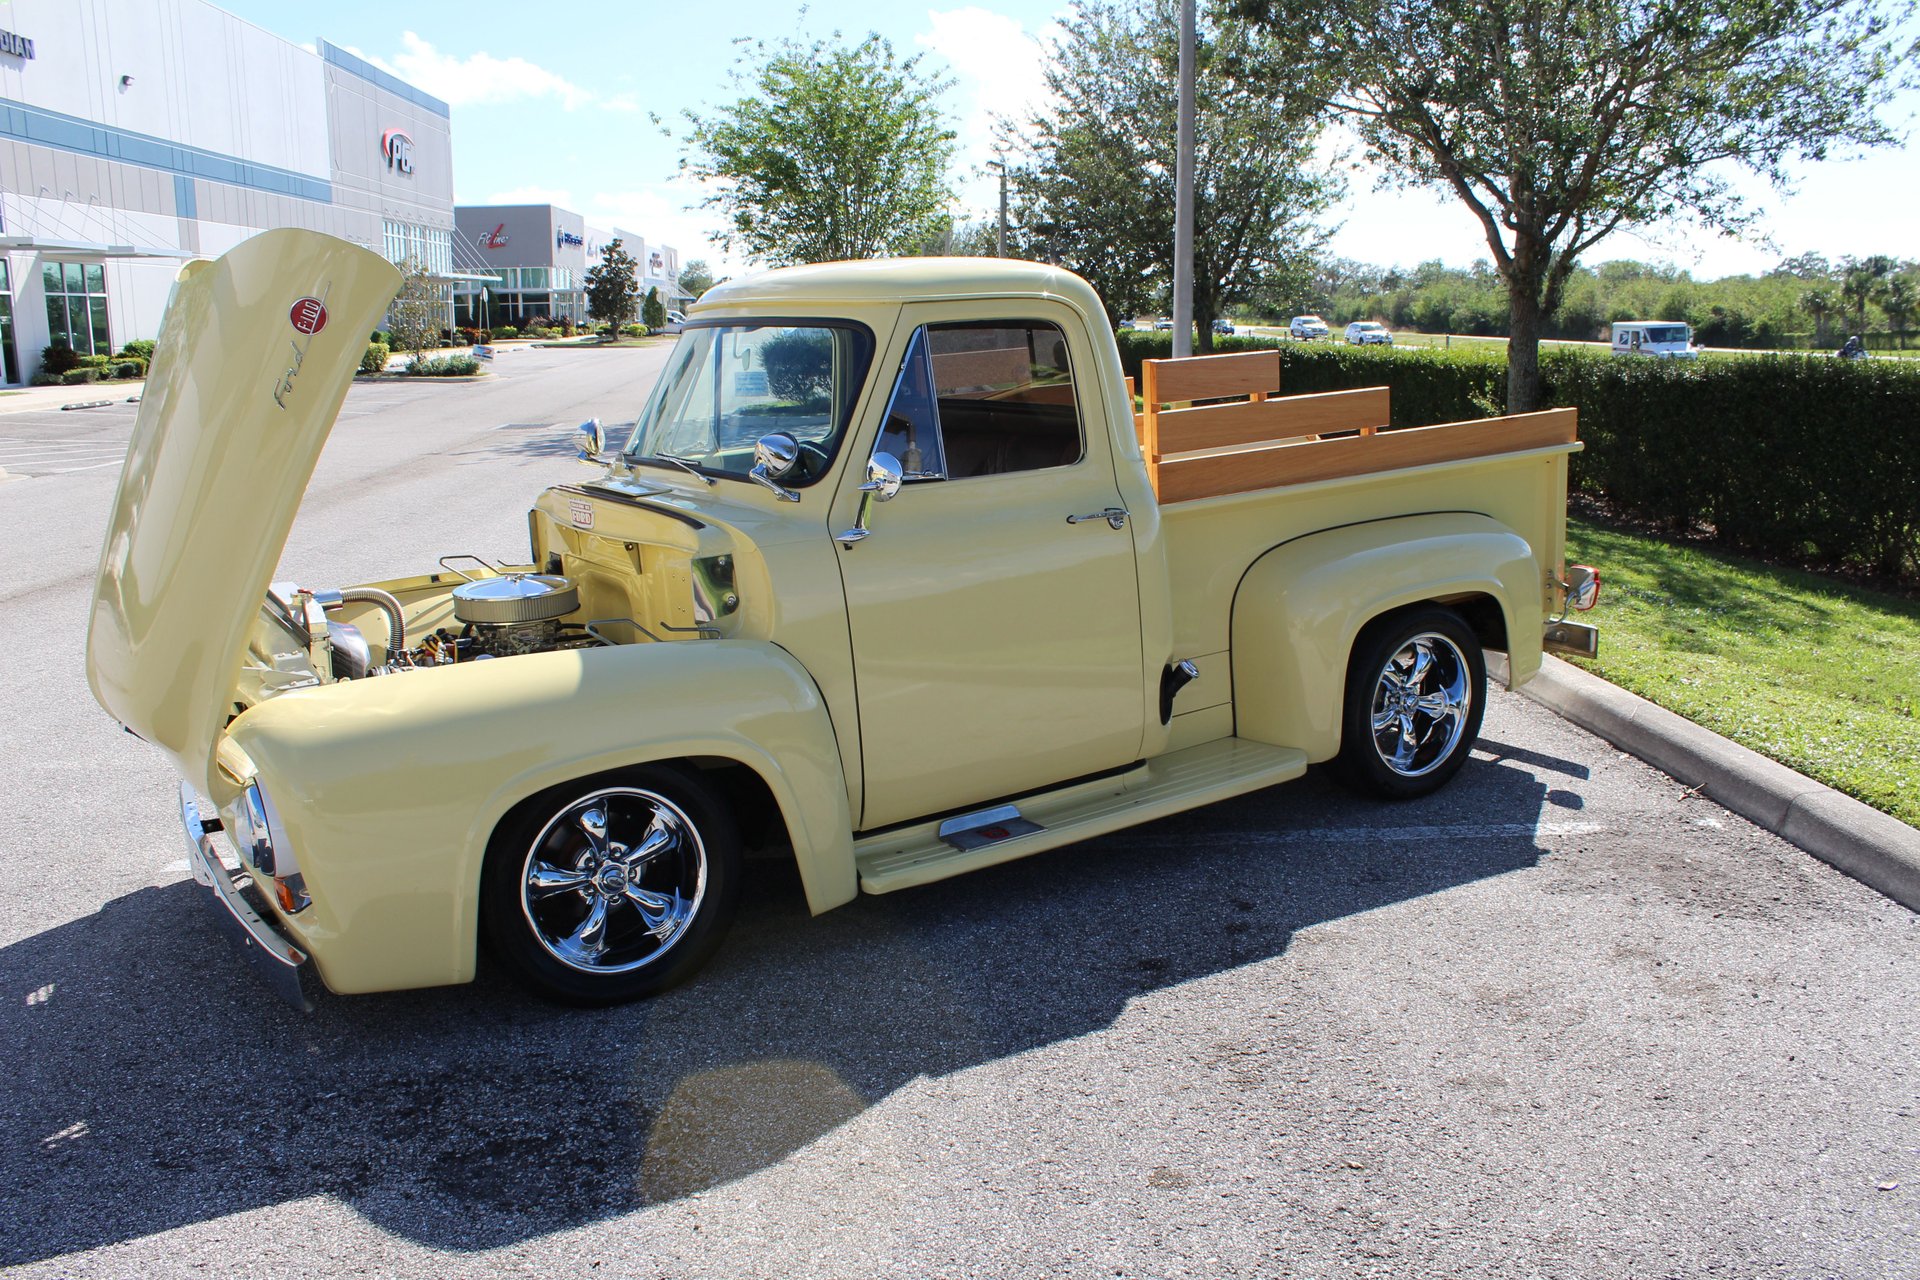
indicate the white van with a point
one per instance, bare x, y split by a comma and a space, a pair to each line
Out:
1669, 339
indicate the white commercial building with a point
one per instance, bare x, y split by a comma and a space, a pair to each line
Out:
135, 134
523, 262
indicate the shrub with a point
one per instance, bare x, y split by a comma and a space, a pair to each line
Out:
634, 330
76, 377
130, 369
59, 358
141, 347
374, 358
380, 336
506, 331
603, 330
45, 379
444, 367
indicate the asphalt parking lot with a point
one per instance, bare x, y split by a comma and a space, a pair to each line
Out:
1564, 1020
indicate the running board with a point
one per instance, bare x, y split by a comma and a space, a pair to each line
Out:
1181, 780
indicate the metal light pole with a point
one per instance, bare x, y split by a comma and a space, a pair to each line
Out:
1000, 238
1183, 195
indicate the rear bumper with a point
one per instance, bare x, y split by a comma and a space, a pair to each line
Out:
279, 963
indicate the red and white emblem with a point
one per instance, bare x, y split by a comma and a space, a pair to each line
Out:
309, 316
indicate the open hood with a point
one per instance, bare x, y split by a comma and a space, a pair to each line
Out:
254, 357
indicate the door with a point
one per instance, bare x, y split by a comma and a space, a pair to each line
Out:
996, 646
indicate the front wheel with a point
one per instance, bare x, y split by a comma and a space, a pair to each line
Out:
1416, 690
614, 889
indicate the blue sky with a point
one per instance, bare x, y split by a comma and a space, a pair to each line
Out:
552, 102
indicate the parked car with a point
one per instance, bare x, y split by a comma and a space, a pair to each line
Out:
676, 321
896, 636
1163, 326
1308, 327
1125, 326
1666, 339
1369, 333
1223, 327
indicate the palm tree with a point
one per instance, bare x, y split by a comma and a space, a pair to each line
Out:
1900, 302
1818, 303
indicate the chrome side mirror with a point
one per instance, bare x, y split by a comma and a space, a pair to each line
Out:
775, 455
592, 441
884, 475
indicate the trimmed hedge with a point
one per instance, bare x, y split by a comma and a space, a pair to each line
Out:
374, 358
444, 367
1801, 457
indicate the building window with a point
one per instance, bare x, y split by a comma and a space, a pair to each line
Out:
77, 306
404, 242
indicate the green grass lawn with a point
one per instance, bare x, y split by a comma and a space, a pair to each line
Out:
1820, 675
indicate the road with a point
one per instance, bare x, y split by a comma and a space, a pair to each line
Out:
1564, 1020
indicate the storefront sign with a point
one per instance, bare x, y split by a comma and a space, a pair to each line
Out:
397, 147
18, 46
563, 238
495, 239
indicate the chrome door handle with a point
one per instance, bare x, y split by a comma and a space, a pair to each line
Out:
1114, 516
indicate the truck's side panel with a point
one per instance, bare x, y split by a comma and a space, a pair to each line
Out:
1212, 542
1302, 604
391, 788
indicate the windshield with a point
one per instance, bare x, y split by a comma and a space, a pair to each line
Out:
1667, 333
726, 385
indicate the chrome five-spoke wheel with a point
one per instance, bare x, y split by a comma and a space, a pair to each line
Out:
1416, 689
613, 880
613, 888
1420, 704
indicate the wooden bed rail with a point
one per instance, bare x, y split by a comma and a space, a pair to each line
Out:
1252, 439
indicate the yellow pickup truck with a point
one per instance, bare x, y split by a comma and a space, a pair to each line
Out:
890, 571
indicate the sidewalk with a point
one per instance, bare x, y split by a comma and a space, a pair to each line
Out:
28, 399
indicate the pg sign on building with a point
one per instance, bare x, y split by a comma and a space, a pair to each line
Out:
397, 147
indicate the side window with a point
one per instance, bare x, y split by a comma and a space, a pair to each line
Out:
1005, 395
982, 399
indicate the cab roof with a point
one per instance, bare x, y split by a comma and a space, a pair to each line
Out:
897, 280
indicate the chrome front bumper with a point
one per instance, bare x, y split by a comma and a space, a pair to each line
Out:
278, 962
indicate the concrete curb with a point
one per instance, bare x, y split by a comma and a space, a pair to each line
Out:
1877, 850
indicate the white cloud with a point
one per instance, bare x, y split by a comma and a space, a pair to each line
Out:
1000, 68
462, 82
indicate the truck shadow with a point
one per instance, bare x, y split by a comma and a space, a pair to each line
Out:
151, 1084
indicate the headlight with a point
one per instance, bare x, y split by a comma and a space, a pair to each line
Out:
264, 845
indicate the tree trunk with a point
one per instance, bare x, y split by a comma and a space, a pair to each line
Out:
1523, 346
1203, 332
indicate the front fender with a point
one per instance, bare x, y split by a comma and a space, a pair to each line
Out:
1301, 605
390, 788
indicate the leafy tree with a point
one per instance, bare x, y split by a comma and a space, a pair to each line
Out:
1557, 124
418, 312
653, 312
696, 277
837, 152
613, 287
1098, 182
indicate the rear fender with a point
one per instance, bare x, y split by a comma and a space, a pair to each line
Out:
390, 788
1300, 607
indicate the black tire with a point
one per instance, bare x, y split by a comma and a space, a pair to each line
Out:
661, 913
1432, 720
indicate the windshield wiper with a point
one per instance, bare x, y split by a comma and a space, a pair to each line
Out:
681, 463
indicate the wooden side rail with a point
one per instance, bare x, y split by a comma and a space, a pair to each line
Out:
1223, 426
1191, 476
1254, 374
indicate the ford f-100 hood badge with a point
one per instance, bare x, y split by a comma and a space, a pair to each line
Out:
220, 455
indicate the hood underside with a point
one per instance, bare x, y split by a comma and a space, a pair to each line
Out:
254, 357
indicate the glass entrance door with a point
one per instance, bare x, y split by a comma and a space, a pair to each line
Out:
12, 358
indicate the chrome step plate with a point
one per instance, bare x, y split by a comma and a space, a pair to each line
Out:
989, 826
